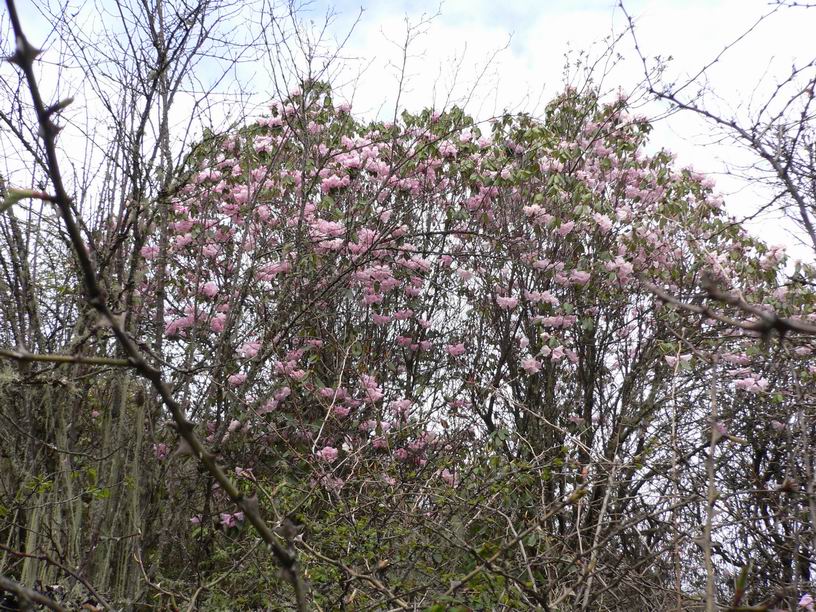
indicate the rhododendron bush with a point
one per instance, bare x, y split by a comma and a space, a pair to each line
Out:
527, 363
424, 339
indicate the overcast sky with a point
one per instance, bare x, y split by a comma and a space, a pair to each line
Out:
539, 32
510, 54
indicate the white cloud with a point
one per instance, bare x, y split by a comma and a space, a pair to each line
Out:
529, 71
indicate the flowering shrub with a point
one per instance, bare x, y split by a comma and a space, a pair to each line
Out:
428, 351
402, 312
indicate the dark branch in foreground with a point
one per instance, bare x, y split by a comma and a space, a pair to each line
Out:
766, 321
28, 596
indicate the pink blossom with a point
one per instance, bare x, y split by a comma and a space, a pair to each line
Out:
177, 325
373, 394
672, 360
735, 359
400, 407
506, 303
323, 229
604, 222
579, 277
449, 477
544, 296
268, 407
263, 212
149, 252
565, 228
269, 271
556, 321
328, 454
369, 425
231, 519
775, 255
447, 149
751, 384
334, 182
248, 350
455, 350
236, 380
231, 210
372, 298
196, 519
182, 227
208, 175
182, 241
209, 289
372, 391
332, 483
531, 366
807, 603
218, 322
